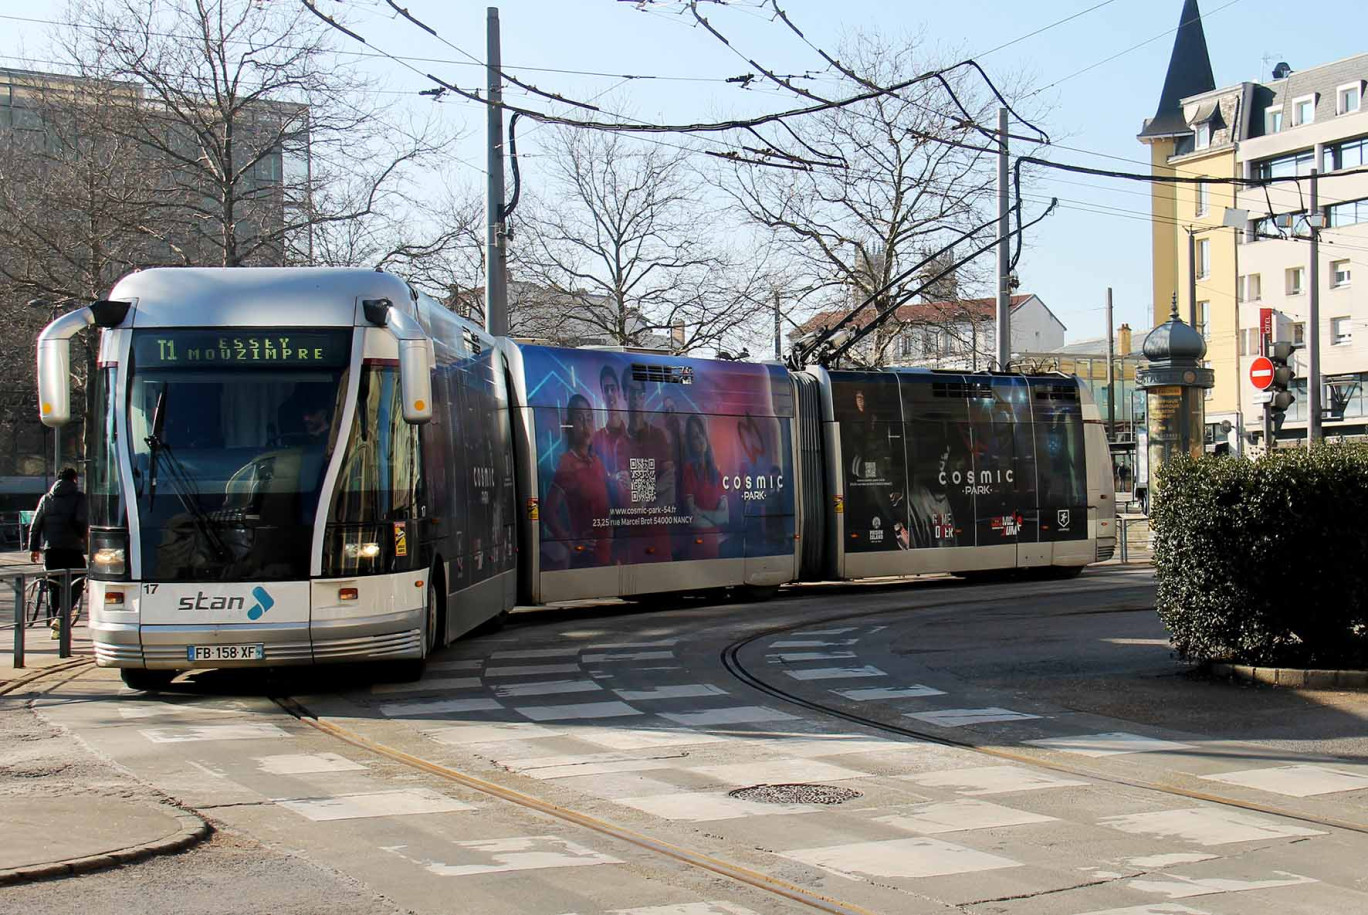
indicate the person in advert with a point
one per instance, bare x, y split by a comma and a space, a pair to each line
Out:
579, 492
704, 501
610, 442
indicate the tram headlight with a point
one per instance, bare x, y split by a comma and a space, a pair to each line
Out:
362, 550
109, 554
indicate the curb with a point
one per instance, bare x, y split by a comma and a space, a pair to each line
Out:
1294, 678
193, 830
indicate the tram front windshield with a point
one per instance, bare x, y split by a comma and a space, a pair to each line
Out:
230, 434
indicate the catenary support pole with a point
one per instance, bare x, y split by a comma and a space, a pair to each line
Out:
778, 329
1192, 277
1313, 323
1111, 371
1004, 263
496, 289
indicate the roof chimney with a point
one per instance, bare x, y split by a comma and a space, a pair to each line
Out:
1282, 70
1123, 340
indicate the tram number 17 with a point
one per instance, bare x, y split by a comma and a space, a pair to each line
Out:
150, 589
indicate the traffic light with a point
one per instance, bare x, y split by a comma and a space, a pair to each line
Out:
1280, 398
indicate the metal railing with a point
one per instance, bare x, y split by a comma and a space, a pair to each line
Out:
56, 595
1135, 538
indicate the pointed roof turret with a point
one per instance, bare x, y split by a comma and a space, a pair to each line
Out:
1189, 73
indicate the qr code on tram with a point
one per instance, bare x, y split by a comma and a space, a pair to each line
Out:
643, 479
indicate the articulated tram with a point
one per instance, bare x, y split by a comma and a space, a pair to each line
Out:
300, 466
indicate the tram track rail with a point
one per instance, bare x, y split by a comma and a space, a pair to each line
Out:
80, 665
658, 847
731, 660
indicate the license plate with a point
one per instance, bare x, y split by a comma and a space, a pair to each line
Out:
250, 652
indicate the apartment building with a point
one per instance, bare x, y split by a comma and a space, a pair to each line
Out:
1238, 255
1304, 120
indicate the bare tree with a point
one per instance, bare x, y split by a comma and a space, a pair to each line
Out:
435, 242
256, 136
896, 179
624, 235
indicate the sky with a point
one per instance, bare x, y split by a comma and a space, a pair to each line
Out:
1098, 238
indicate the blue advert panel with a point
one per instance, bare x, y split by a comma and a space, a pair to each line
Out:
652, 458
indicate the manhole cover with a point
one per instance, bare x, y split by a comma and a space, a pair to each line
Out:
795, 794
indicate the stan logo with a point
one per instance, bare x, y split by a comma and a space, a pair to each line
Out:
202, 601
264, 602
1062, 519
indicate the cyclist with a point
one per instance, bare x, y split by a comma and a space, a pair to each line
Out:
58, 532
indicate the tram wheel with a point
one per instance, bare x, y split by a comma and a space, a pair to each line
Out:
755, 594
148, 681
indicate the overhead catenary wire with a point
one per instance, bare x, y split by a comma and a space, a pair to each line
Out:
1125, 51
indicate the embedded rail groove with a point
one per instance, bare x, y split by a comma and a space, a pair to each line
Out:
732, 662
36, 675
701, 860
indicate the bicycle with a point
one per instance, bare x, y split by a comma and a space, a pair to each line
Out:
37, 594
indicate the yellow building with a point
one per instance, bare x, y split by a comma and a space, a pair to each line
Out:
1193, 135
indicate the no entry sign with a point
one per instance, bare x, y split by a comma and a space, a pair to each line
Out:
1261, 372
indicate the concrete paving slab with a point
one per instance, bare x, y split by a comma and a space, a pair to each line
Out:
1114, 743
959, 816
984, 780
1295, 781
397, 802
899, 858
1208, 825
963, 717
875, 693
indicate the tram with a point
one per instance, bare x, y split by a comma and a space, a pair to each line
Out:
308, 465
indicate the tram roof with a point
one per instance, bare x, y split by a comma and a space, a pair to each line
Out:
256, 296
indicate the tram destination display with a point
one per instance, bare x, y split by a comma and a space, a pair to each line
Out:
274, 348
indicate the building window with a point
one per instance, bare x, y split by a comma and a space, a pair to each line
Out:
1303, 110
1348, 213
1348, 98
1273, 120
1204, 320
1203, 135
1296, 277
1203, 258
1203, 198
1348, 154
931, 342
1250, 288
1341, 331
1292, 165
1299, 333
1339, 273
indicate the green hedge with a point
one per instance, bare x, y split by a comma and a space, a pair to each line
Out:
1266, 562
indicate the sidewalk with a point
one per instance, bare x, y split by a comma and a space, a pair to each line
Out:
64, 811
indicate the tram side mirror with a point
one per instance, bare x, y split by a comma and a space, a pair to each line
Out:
54, 366
415, 357
415, 380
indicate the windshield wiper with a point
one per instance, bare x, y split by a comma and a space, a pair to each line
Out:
154, 443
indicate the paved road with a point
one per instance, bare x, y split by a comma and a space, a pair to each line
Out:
1060, 767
